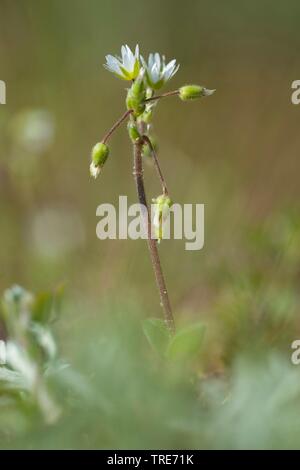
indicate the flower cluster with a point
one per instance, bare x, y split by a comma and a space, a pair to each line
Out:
157, 70
145, 77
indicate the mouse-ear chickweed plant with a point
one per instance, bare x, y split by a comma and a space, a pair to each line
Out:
145, 78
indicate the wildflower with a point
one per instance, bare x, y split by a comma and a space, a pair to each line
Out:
127, 67
100, 154
192, 92
157, 71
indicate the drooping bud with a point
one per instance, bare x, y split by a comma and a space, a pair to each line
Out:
133, 132
100, 154
192, 92
136, 95
162, 209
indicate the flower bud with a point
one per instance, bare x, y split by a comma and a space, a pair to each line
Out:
133, 132
192, 92
163, 200
162, 209
149, 93
136, 96
100, 154
147, 115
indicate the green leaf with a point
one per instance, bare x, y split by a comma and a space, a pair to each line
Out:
186, 343
157, 334
42, 307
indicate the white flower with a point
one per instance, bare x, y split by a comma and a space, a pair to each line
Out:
95, 170
128, 66
157, 71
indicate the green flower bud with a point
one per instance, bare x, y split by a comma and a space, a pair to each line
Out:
163, 200
138, 86
147, 115
149, 93
192, 92
136, 96
135, 103
162, 207
100, 154
133, 132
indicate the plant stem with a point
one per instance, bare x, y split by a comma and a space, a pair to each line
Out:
157, 165
152, 245
164, 95
116, 125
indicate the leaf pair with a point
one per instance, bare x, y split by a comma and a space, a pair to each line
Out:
184, 345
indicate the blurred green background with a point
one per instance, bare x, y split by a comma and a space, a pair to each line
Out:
237, 152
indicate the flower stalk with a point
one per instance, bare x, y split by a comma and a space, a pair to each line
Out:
116, 125
152, 244
146, 78
147, 141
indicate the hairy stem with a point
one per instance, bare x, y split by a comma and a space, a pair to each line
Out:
152, 245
